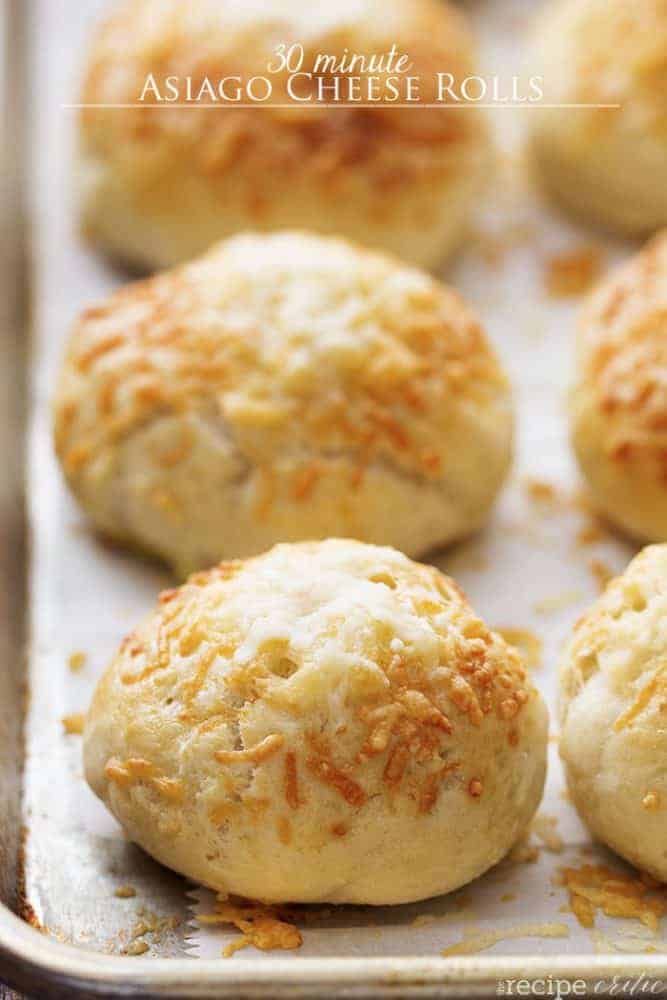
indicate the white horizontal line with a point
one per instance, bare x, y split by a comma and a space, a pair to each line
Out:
338, 107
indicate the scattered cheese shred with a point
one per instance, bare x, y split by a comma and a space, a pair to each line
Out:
260, 926
571, 273
76, 662
136, 948
73, 724
149, 924
476, 941
540, 491
596, 887
125, 892
602, 573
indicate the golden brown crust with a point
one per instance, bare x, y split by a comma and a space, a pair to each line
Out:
211, 40
160, 184
331, 682
174, 344
412, 717
282, 387
623, 359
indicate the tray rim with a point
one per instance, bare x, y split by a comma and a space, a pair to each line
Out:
28, 960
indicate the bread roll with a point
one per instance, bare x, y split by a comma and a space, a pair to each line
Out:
619, 403
326, 722
160, 184
605, 164
613, 707
281, 388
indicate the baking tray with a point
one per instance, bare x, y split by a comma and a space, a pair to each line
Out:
61, 856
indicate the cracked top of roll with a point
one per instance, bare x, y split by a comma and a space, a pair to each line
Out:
289, 359
315, 703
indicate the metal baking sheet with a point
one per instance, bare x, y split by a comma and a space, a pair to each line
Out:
527, 571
